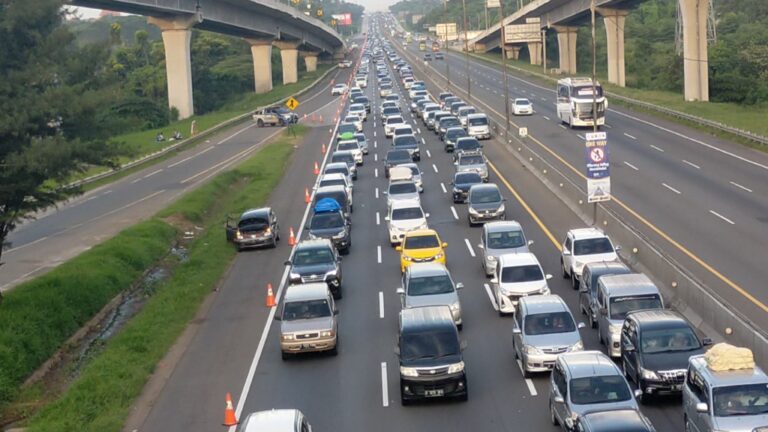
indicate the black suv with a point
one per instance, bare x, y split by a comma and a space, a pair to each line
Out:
430, 354
316, 261
451, 135
461, 183
655, 348
328, 222
466, 144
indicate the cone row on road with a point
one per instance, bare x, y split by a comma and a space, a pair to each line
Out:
316, 169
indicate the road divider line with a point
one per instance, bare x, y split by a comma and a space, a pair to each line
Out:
741, 187
581, 137
434, 167
418, 129
722, 217
562, 127
384, 389
442, 185
546, 118
376, 192
375, 144
490, 296
691, 164
455, 215
378, 254
153, 173
423, 141
629, 136
429, 154
376, 172
631, 166
378, 220
671, 188
376, 157
381, 304
657, 148
469, 246
184, 160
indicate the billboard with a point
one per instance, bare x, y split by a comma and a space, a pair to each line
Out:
598, 167
522, 33
343, 19
446, 31
492, 3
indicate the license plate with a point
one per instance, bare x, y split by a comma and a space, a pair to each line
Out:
307, 346
433, 393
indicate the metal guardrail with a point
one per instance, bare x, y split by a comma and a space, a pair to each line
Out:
741, 133
201, 135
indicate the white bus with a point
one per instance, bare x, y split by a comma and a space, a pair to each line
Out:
574, 102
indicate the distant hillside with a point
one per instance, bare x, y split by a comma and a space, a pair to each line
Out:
94, 31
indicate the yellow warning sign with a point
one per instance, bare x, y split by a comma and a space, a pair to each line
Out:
292, 104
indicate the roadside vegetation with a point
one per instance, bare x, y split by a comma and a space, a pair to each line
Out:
104, 388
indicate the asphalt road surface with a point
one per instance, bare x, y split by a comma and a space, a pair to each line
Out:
60, 234
235, 346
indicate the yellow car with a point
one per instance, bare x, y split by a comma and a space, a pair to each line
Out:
422, 245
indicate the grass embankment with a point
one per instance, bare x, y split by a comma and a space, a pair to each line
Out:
143, 143
100, 398
750, 118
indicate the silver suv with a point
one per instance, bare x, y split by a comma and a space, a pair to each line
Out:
498, 238
308, 320
430, 284
472, 162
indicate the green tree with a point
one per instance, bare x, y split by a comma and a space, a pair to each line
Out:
50, 95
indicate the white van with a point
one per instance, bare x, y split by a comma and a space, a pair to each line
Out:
478, 126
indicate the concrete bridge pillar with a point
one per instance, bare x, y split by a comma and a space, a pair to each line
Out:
261, 51
534, 51
566, 44
310, 60
177, 34
614, 30
695, 58
512, 52
289, 53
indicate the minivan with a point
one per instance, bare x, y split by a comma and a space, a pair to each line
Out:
588, 288
478, 126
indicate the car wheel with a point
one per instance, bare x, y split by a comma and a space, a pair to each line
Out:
562, 266
600, 337
239, 248
465, 396
687, 424
575, 282
285, 355
403, 400
281, 122
552, 416
592, 322
335, 350
260, 123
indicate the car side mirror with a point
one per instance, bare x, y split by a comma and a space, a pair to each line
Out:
617, 248
426, 215
516, 330
463, 344
480, 246
277, 317
570, 423
456, 163
548, 276
400, 290
494, 280
530, 242
459, 286
287, 262
702, 407
397, 350
583, 288
386, 218
445, 245
628, 347
581, 325
335, 311
559, 399
399, 248
638, 393
566, 252
707, 341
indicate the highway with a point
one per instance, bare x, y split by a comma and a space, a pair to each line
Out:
233, 345
708, 195
60, 234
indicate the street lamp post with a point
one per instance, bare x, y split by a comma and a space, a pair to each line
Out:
504, 66
466, 51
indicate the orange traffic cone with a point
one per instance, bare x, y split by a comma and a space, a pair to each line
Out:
306, 196
270, 296
316, 170
322, 148
291, 237
229, 413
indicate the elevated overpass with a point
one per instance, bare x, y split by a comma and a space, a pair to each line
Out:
565, 16
263, 24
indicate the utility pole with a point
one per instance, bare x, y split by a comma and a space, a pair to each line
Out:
594, 91
486, 15
504, 66
466, 51
445, 34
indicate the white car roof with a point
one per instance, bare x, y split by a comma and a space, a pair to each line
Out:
333, 176
518, 259
407, 203
586, 233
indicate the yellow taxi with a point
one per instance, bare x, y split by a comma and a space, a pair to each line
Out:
419, 246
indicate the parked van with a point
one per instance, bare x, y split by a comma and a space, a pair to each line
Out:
617, 295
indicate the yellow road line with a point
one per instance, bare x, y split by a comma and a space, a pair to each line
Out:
646, 222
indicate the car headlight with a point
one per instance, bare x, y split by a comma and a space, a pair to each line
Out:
312, 236
407, 258
544, 290
491, 258
293, 275
268, 231
439, 256
331, 273
531, 350
456, 368
578, 346
501, 209
327, 333
287, 336
409, 372
455, 306
472, 211
238, 235
456, 190
648, 374
340, 235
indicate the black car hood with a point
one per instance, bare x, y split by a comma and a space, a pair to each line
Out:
485, 206
326, 232
668, 360
313, 269
431, 362
464, 187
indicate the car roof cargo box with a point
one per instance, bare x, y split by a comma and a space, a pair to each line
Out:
724, 357
399, 173
326, 205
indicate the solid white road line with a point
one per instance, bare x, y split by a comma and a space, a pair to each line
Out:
722, 217
384, 389
378, 219
442, 185
671, 188
528, 382
455, 215
377, 193
429, 154
629, 136
469, 246
381, 304
378, 254
490, 297
657, 148
545, 117
631, 166
434, 167
741, 187
691, 164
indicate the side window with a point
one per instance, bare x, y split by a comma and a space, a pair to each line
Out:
626, 332
599, 296
518, 319
568, 244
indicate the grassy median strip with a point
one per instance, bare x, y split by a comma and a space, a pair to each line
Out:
99, 399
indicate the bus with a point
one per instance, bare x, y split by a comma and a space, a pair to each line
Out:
574, 102
422, 46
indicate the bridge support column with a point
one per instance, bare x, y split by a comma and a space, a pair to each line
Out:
289, 53
534, 51
310, 60
614, 30
177, 34
695, 58
566, 44
513, 52
261, 51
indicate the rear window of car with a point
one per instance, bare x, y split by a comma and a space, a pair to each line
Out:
478, 121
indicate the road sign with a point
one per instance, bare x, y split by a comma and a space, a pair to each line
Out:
292, 104
523, 132
598, 167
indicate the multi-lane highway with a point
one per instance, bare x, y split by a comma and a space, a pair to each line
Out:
234, 345
704, 199
60, 234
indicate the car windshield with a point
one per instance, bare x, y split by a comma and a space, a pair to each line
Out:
467, 178
429, 345
517, 274
398, 156
548, 323
485, 196
740, 400
403, 131
406, 141
522, 102
343, 157
478, 121
668, 340
599, 389
415, 171
455, 133
304, 257
468, 144
391, 110
333, 182
421, 242
466, 111
407, 213
357, 107
402, 188
592, 246
346, 127
429, 285
307, 309
344, 171
348, 146
393, 98
506, 239
621, 306
326, 221
254, 224
394, 120
471, 160
351, 119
